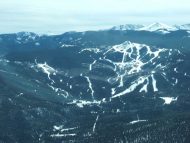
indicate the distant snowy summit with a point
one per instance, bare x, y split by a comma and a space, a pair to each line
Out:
128, 27
154, 27
158, 26
183, 27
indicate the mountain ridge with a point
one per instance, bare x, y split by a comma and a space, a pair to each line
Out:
95, 86
157, 26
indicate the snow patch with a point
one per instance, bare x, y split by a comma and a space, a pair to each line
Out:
82, 103
132, 87
169, 100
62, 135
66, 46
46, 69
155, 89
160, 27
137, 121
90, 86
94, 126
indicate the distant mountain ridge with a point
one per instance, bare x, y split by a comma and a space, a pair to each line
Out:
127, 27
154, 27
96, 86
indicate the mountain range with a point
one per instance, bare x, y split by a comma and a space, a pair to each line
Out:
154, 27
127, 84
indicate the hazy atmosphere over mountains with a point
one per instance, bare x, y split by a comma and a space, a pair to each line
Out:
58, 16
94, 71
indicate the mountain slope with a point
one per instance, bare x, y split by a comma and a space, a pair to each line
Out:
154, 27
158, 27
68, 89
127, 27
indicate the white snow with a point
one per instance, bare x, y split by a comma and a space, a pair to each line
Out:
121, 84
154, 27
176, 81
137, 121
95, 50
90, 67
175, 69
127, 27
154, 83
145, 87
169, 100
133, 62
82, 103
62, 129
94, 126
66, 46
113, 91
62, 135
90, 86
132, 87
184, 27
58, 127
158, 27
68, 129
46, 69
118, 111
20, 94
59, 91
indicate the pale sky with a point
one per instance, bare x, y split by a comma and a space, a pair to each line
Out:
58, 16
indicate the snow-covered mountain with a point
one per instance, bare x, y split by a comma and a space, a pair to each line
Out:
158, 27
183, 27
127, 27
154, 27
95, 86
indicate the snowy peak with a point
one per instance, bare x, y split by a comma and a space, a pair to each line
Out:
140, 68
158, 27
23, 37
183, 27
127, 27
154, 27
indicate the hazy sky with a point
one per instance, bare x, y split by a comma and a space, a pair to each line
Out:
58, 16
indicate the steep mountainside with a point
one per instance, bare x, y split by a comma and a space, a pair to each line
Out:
95, 86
